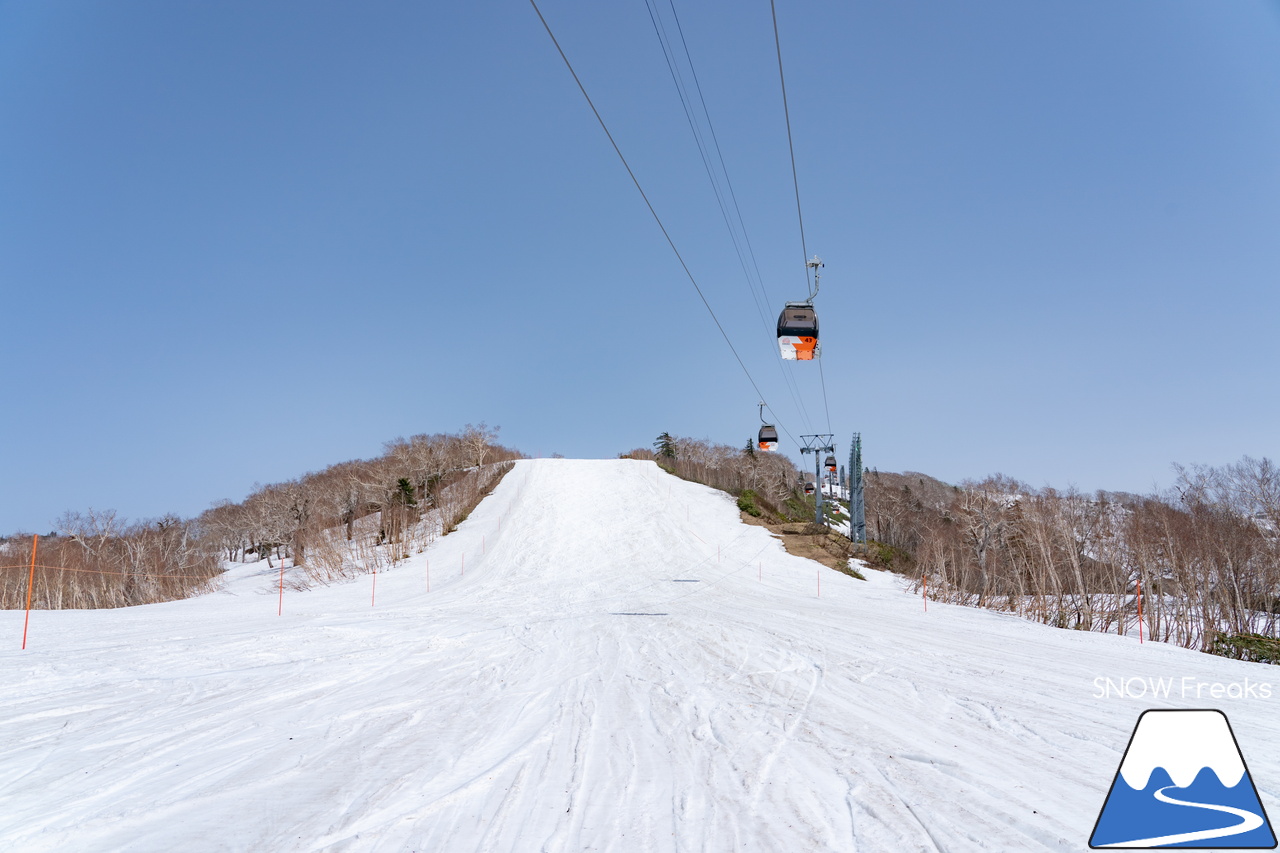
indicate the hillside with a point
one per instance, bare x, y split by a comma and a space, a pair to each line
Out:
607, 659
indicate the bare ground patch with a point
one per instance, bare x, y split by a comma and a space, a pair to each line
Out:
813, 542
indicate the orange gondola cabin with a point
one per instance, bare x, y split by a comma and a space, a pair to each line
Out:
798, 332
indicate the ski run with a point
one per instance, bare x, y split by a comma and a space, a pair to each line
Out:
608, 659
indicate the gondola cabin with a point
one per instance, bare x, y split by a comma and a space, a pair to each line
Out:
798, 332
830, 463
767, 439
808, 488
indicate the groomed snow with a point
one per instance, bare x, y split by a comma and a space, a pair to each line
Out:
517, 707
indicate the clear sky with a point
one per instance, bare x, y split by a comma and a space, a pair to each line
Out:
240, 241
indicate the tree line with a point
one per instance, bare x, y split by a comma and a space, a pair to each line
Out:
350, 517
771, 478
96, 559
1205, 555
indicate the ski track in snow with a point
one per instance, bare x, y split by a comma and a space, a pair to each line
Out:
513, 709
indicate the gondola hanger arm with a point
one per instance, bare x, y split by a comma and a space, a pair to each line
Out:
815, 264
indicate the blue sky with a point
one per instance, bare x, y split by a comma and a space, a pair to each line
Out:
241, 241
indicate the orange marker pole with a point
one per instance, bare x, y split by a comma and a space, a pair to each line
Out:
31, 582
373, 596
280, 606
925, 596
1139, 611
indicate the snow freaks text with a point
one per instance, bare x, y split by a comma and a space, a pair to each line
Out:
1187, 687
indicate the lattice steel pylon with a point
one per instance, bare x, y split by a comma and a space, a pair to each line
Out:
816, 444
857, 507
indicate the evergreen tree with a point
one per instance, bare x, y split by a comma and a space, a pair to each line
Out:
666, 447
404, 492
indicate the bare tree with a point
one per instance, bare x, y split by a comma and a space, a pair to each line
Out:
983, 512
479, 441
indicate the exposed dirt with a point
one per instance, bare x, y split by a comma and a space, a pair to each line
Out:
812, 541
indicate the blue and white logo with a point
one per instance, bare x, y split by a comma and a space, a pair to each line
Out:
1183, 783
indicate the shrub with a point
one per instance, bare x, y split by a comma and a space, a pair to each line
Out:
887, 557
1257, 648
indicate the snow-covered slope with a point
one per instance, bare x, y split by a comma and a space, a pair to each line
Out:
624, 666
